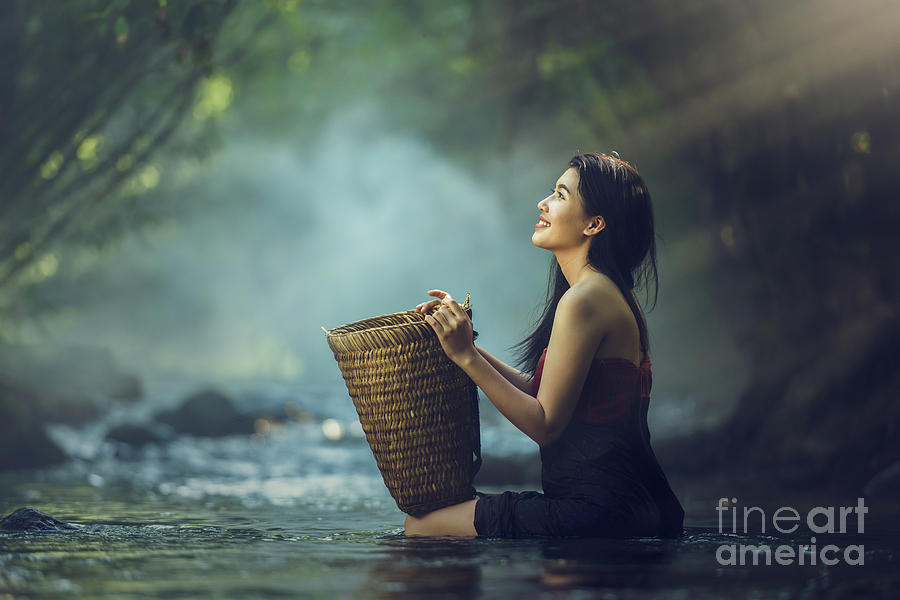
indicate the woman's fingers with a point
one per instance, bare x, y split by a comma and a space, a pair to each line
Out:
450, 323
435, 324
426, 306
440, 294
455, 308
447, 300
444, 318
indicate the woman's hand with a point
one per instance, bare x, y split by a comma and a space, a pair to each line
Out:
452, 326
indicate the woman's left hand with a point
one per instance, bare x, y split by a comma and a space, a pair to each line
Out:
452, 326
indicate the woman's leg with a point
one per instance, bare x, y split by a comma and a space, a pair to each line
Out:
456, 520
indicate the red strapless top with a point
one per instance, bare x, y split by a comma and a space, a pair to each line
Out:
613, 387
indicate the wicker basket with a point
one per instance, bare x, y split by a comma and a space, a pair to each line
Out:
419, 410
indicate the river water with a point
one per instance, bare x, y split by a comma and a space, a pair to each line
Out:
299, 512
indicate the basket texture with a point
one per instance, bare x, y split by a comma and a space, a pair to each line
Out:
418, 409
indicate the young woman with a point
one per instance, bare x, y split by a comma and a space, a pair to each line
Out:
586, 403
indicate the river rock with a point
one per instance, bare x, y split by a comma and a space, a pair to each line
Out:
29, 519
125, 387
207, 413
133, 435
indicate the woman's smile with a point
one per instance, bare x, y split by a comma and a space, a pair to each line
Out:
542, 223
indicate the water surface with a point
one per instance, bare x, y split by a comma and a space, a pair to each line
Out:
292, 513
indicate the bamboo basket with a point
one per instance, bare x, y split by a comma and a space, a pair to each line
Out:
418, 409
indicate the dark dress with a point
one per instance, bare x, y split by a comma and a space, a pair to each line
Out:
600, 478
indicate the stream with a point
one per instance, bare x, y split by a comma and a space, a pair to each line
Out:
302, 512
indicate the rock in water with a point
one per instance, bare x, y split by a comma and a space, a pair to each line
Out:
207, 413
126, 388
136, 436
29, 519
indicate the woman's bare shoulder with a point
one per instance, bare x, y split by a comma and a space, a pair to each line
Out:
599, 296
588, 302
599, 289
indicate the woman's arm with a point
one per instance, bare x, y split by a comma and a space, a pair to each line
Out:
511, 374
577, 330
522, 409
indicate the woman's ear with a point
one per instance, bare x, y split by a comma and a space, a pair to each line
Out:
595, 226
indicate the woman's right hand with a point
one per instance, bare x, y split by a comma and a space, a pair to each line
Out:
452, 326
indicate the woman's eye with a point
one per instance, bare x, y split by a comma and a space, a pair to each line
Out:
559, 194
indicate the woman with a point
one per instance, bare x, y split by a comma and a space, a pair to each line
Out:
586, 402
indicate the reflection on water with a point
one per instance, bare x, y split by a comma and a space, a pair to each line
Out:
131, 548
299, 514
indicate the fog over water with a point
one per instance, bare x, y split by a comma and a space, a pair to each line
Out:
283, 238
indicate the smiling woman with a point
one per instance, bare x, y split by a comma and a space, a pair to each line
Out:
585, 392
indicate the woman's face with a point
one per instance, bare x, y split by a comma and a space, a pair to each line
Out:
562, 221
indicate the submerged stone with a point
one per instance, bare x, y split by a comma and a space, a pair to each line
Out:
29, 519
133, 435
207, 413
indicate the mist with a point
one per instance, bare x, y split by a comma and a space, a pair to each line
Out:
285, 237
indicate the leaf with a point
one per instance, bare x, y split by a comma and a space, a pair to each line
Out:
121, 28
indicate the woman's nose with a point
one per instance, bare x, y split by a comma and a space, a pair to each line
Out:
542, 204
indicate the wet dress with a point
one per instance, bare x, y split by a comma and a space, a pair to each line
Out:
600, 477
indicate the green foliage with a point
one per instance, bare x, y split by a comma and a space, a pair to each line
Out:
93, 89
89, 90
464, 74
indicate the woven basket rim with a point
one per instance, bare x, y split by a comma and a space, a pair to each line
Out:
418, 323
333, 333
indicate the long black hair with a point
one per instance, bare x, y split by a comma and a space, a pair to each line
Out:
624, 250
